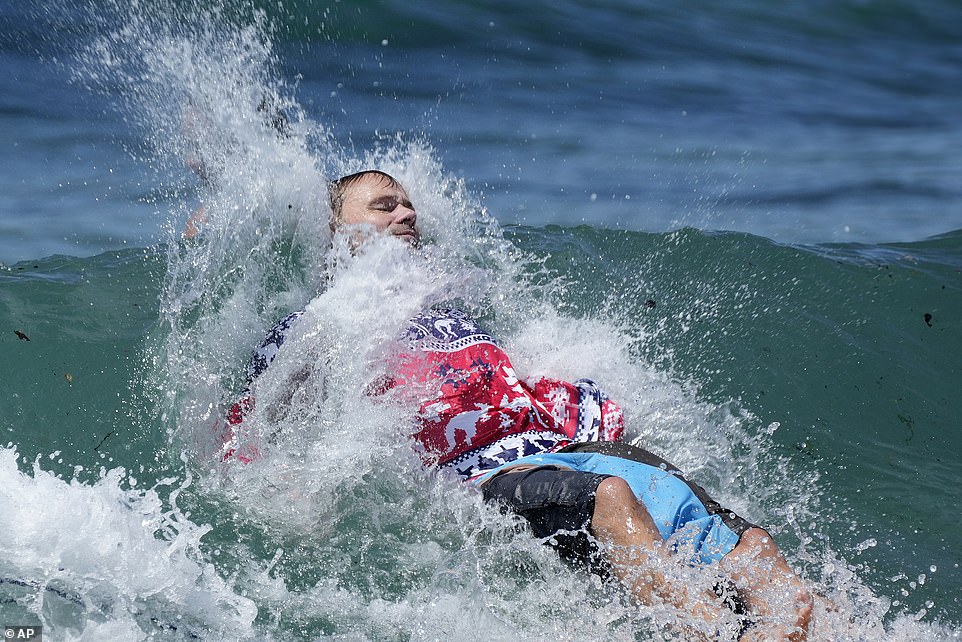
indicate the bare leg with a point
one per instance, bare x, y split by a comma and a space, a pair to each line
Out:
759, 569
634, 547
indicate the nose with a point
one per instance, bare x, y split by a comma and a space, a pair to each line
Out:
406, 215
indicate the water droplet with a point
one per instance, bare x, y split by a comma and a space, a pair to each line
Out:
867, 544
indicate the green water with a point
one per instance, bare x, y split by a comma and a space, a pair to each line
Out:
853, 351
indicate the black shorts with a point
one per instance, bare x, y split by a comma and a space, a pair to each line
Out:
557, 503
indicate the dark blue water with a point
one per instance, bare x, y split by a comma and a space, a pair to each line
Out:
815, 121
743, 219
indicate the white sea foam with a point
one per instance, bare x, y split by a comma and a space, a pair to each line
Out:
90, 560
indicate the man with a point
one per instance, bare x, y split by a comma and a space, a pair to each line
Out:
549, 451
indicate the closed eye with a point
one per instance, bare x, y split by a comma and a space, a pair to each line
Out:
385, 204
390, 203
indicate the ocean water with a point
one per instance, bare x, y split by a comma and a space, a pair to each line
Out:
742, 220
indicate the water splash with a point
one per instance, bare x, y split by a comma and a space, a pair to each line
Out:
95, 559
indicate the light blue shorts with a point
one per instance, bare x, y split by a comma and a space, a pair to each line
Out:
690, 521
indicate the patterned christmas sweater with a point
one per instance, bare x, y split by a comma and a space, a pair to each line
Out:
476, 413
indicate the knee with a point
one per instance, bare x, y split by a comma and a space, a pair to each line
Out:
757, 544
619, 518
614, 492
756, 539
616, 502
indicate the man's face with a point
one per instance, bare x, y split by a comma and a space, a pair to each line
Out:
374, 201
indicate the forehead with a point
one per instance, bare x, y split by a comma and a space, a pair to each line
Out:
371, 186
